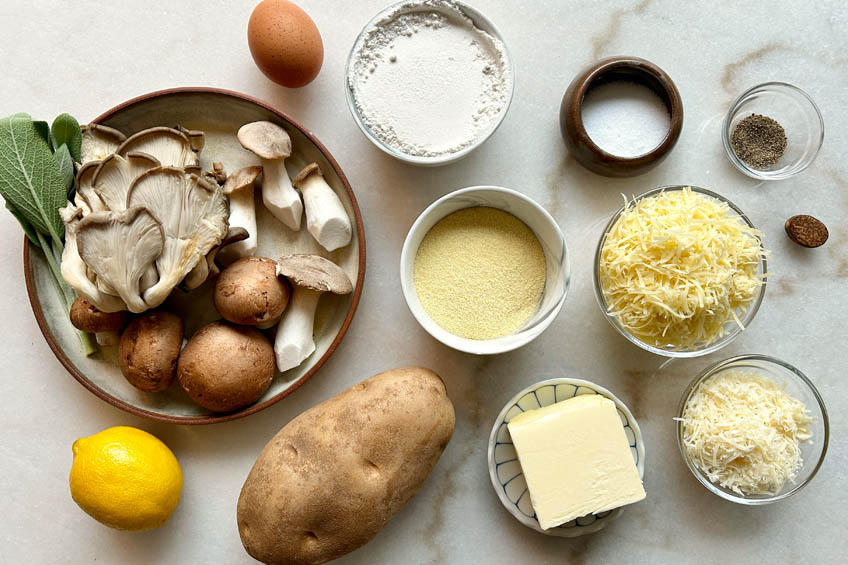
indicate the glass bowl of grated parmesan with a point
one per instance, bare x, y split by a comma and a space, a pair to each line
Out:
753, 429
680, 271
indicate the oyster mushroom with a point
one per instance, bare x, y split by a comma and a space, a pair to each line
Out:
193, 215
239, 188
85, 188
113, 178
98, 142
326, 218
310, 275
233, 235
74, 269
273, 145
119, 247
196, 138
169, 146
104, 325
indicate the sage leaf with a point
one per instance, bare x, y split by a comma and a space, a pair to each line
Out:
66, 130
66, 167
28, 229
44, 131
29, 176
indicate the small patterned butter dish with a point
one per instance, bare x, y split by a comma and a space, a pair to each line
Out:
505, 470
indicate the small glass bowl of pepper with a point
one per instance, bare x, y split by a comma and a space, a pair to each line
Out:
773, 131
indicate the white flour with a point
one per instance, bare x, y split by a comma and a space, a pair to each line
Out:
624, 118
428, 82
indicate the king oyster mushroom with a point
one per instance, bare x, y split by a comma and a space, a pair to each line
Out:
273, 145
193, 215
119, 247
239, 189
310, 275
326, 218
170, 147
98, 142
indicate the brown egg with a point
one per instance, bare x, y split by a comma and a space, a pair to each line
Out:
284, 43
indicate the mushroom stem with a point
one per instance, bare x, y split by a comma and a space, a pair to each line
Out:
326, 218
107, 339
242, 215
294, 341
278, 195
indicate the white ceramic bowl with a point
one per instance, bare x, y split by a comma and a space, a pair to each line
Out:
543, 226
481, 22
505, 470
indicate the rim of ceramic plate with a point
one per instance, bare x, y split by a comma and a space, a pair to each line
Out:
252, 409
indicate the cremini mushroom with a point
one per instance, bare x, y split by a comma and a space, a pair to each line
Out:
310, 275
149, 349
104, 325
326, 218
273, 145
119, 247
193, 215
225, 367
170, 147
98, 142
249, 292
239, 188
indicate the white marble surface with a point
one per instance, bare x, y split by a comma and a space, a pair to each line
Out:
84, 57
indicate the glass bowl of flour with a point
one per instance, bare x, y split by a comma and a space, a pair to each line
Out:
428, 81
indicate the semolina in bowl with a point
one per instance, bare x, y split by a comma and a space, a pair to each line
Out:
484, 269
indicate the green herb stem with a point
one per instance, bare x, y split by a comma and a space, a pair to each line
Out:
66, 294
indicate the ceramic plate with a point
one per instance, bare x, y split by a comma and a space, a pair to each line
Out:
505, 471
218, 113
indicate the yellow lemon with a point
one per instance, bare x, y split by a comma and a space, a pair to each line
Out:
126, 478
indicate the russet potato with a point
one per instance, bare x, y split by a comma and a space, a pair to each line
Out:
331, 479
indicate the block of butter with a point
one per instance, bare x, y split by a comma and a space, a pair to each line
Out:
575, 458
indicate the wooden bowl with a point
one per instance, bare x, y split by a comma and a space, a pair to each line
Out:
219, 113
581, 146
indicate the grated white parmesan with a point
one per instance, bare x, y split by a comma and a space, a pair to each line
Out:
677, 267
743, 432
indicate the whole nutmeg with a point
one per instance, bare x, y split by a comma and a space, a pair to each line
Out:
225, 367
806, 231
250, 293
149, 349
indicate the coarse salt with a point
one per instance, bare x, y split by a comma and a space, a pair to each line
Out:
624, 118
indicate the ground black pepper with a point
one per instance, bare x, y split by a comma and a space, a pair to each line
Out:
758, 140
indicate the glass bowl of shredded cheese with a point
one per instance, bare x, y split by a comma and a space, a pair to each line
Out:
680, 271
753, 429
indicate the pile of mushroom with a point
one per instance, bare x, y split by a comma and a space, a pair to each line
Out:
326, 219
143, 218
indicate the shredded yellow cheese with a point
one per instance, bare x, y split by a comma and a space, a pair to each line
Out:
743, 432
677, 267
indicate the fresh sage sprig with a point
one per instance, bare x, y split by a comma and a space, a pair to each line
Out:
36, 179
